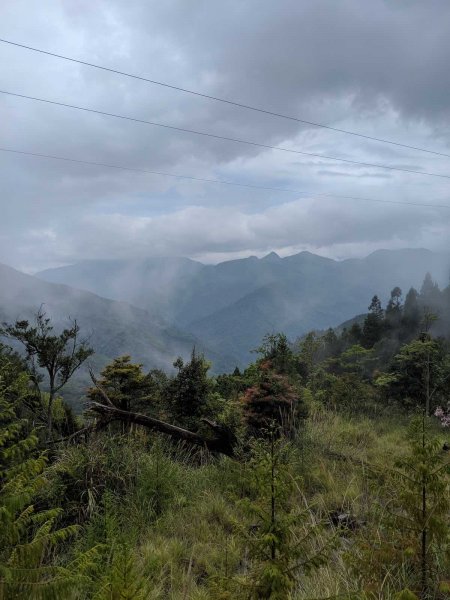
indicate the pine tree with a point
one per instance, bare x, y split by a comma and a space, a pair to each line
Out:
411, 312
123, 579
406, 539
275, 348
394, 308
428, 286
422, 500
279, 548
373, 324
331, 343
355, 333
309, 352
188, 392
126, 385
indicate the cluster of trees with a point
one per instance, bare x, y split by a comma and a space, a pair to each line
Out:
397, 356
400, 321
61, 474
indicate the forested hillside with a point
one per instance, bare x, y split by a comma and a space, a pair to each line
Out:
319, 471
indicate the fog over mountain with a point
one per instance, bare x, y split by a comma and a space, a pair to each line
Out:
232, 305
113, 328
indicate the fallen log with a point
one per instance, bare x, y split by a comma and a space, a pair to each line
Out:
223, 441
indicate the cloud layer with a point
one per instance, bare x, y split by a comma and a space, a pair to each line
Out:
379, 68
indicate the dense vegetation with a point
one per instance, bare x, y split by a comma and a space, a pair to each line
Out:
320, 471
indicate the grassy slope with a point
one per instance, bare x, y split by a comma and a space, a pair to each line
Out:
184, 547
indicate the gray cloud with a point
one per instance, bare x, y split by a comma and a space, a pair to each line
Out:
379, 68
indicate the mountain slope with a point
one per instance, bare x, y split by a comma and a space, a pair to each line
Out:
300, 292
230, 306
113, 328
154, 283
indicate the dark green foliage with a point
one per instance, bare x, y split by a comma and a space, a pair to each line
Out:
407, 539
349, 394
162, 520
394, 309
231, 386
116, 574
419, 375
354, 335
411, 313
84, 473
373, 324
127, 386
430, 289
187, 395
27, 535
309, 354
407, 363
121, 579
276, 349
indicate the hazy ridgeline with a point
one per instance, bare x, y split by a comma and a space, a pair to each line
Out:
230, 306
159, 308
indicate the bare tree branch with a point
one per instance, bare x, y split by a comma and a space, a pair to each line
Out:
104, 395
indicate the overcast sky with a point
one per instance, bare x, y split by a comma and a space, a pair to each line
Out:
380, 68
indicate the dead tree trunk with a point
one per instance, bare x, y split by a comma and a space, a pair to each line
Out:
222, 442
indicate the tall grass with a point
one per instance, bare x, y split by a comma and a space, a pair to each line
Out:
169, 519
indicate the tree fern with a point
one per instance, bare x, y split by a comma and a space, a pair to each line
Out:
27, 536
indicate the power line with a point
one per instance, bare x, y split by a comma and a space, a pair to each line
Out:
225, 138
218, 181
224, 100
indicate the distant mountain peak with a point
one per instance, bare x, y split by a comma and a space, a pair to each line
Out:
401, 252
271, 256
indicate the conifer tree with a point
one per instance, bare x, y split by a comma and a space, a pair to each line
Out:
411, 312
123, 579
126, 385
373, 324
275, 348
331, 343
309, 353
428, 287
188, 392
394, 308
406, 539
422, 501
278, 546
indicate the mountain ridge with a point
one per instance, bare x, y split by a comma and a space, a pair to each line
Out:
229, 306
